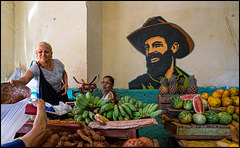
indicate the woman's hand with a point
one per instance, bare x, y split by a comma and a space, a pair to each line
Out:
65, 87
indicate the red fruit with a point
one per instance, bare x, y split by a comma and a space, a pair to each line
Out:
237, 110
198, 104
188, 96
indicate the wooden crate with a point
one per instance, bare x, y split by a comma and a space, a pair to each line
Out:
164, 103
195, 131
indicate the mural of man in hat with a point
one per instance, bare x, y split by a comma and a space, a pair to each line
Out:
161, 42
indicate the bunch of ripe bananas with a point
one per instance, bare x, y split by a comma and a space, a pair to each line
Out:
89, 108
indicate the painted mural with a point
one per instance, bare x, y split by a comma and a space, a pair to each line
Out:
161, 42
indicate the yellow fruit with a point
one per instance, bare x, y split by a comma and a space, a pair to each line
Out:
233, 145
226, 93
235, 100
217, 94
226, 101
205, 96
230, 109
220, 90
214, 101
234, 91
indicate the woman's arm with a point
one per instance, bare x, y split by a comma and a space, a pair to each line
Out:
24, 79
65, 81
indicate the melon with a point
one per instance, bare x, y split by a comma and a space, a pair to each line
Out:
188, 96
199, 118
224, 118
185, 117
212, 117
176, 102
198, 104
188, 104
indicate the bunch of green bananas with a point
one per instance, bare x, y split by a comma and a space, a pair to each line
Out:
142, 109
86, 106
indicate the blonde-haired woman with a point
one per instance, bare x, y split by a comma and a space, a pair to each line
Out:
51, 76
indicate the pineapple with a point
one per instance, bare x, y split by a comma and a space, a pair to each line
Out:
163, 89
192, 87
181, 88
173, 85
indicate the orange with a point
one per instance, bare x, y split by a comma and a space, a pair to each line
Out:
214, 101
205, 96
237, 110
217, 94
226, 93
226, 101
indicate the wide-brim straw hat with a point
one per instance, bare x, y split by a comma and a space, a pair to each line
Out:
157, 26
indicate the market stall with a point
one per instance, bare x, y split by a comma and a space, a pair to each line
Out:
200, 120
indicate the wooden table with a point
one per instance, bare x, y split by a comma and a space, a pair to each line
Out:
56, 128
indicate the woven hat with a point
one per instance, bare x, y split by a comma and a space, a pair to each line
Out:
157, 26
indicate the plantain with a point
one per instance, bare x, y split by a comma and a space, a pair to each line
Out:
87, 120
70, 115
114, 117
109, 114
101, 119
154, 108
105, 102
122, 112
80, 118
106, 107
140, 105
83, 102
140, 111
81, 97
136, 104
136, 114
136, 118
91, 115
77, 104
123, 99
127, 110
85, 114
96, 99
78, 111
151, 105
89, 97
132, 107
105, 114
120, 117
131, 101
145, 109
155, 113
127, 98
99, 101
116, 111
127, 116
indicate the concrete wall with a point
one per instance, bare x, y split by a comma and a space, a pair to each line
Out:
94, 40
90, 37
7, 39
213, 26
62, 24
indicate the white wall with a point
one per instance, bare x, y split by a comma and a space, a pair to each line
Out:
7, 40
92, 41
62, 24
215, 58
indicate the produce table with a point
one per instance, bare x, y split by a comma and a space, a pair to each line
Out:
58, 127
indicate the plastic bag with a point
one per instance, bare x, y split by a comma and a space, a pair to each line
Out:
62, 108
19, 73
13, 117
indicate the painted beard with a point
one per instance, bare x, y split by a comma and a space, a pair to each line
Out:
160, 67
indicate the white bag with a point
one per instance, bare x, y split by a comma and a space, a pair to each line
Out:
13, 117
